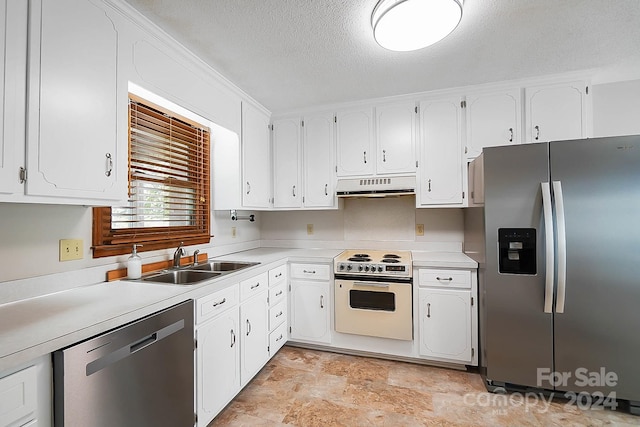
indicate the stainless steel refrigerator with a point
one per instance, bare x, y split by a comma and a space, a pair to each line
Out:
560, 286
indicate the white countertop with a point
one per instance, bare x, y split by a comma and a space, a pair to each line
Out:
36, 326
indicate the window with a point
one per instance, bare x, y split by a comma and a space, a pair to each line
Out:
168, 185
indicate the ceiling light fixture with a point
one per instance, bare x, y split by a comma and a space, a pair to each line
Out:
404, 25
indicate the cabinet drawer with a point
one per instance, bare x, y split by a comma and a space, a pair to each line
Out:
215, 303
277, 339
18, 397
277, 314
254, 285
277, 293
277, 275
311, 271
445, 278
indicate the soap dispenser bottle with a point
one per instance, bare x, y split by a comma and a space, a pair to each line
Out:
134, 264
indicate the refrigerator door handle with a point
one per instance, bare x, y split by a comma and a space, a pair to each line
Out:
549, 247
562, 246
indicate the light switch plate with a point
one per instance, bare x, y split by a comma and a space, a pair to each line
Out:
419, 229
309, 229
71, 249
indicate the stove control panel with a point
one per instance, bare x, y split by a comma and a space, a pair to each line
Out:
368, 268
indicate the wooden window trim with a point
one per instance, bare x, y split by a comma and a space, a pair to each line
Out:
111, 242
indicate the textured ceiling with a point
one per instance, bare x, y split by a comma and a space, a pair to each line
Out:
290, 54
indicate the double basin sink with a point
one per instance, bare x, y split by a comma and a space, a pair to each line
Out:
193, 274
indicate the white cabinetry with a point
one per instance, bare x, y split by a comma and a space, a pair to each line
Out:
254, 327
556, 112
440, 175
77, 106
447, 310
310, 303
354, 138
13, 47
492, 118
318, 165
287, 160
25, 394
278, 311
218, 354
256, 169
616, 108
396, 138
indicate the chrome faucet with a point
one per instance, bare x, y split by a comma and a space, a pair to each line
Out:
177, 254
195, 256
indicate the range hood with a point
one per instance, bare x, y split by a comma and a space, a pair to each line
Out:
376, 186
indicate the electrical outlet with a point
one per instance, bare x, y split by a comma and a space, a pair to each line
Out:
309, 229
233, 232
70, 249
419, 229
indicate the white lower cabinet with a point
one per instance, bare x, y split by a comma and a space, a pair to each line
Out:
254, 336
218, 364
447, 311
25, 394
310, 305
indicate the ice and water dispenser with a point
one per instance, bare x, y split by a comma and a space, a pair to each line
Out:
517, 250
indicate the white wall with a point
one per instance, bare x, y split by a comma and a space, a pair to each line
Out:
372, 223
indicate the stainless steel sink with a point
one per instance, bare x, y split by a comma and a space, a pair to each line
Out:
181, 277
222, 266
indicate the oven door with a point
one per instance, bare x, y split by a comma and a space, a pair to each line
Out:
374, 308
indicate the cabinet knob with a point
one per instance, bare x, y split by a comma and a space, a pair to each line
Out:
364, 154
248, 187
321, 301
428, 309
384, 155
326, 187
429, 188
109, 164
294, 191
537, 128
511, 137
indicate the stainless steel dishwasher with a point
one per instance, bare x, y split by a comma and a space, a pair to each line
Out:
138, 375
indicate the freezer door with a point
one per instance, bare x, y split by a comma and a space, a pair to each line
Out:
516, 332
600, 182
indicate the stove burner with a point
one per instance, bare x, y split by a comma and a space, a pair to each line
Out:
361, 256
391, 256
359, 259
391, 260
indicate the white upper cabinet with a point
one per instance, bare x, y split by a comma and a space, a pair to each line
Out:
256, 169
13, 49
492, 118
556, 112
318, 165
287, 191
354, 135
396, 138
77, 105
616, 109
440, 178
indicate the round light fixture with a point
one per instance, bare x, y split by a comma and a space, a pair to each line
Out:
404, 25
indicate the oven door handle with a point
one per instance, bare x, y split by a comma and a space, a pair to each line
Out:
371, 284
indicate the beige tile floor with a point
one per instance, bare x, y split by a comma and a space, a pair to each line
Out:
300, 387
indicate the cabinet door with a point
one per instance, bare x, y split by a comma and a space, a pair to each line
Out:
354, 137
445, 324
254, 344
310, 311
556, 112
492, 119
440, 177
76, 129
256, 169
13, 48
319, 164
396, 138
287, 192
218, 364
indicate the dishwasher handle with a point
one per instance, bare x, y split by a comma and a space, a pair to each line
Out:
143, 343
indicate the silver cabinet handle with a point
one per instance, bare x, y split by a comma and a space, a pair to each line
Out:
321, 301
248, 187
278, 275
428, 309
326, 187
384, 155
429, 189
446, 279
365, 156
309, 271
109, 164
279, 314
294, 191
215, 304
233, 338
279, 293
255, 286
279, 338
511, 137
248, 327
537, 128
